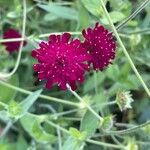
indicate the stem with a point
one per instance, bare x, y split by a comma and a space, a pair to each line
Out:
89, 141
127, 131
124, 49
58, 127
5, 75
67, 102
142, 31
105, 144
3, 104
86, 105
95, 82
11, 40
140, 8
59, 139
58, 33
6, 129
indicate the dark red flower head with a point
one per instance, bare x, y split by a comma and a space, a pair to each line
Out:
61, 61
12, 46
101, 45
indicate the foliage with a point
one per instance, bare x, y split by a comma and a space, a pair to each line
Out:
31, 118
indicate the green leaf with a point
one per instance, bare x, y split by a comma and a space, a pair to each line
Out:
113, 72
116, 16
89, 84
60, 11
32, 124
77, 134
21, 143
17, 110
28, 102
89, 123
73, 144
93, 6
7, 94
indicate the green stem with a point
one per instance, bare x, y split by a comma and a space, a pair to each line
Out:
67, 102
58, 33
105, 144
89, 141
140, 8
95, 83
3, 104
130, 130
5, 75
59, 139
124, 49
85, 104
142, 31
58, 127
6, 129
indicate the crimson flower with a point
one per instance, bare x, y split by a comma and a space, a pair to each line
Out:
101, 45
12, 46
61, 61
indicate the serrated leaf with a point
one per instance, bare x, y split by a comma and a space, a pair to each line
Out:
60, 11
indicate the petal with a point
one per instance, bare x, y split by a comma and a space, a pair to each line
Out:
75, 43
52, 38
66, 37
34, 53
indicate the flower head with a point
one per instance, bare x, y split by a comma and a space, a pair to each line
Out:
61, 61
101, 45
12, 46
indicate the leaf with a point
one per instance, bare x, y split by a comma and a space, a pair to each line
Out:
73, 144
116, 16
9, 94
28, 102
113, 72
77, 134
17, 110
32, 124
21, 143
60, 11
89, 123
89, 84
93, 6
50, 17
84, 19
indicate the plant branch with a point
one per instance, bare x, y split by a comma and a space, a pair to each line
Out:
136, 12
124, 49
85, 104
67, 102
